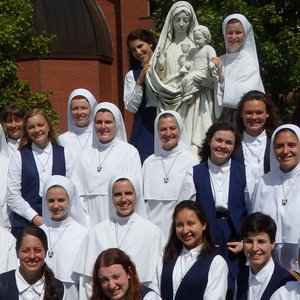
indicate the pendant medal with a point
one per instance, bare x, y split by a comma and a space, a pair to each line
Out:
284, 201
99, 168
166, 179
50, 253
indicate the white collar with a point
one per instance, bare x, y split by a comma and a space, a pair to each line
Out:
13, 142
262, 275
81, 130
294, 172
174, 151
124, 220
193, 253
107, 145
250, 139
57, 224
216, 169
23, 285
39, 150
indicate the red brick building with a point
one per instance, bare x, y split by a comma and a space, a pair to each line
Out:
89, 50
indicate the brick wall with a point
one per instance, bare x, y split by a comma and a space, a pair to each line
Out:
104, 80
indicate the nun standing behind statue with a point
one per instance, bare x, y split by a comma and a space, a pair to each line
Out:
168, 69
238, 68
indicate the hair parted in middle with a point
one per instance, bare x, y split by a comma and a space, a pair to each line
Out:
110, 257
174, 245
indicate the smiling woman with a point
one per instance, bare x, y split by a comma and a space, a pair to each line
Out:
126, 228
137, 98
13, 121
33, 279
191, 268
97, 163
275, 193
80, 121
124, 197
256, 119
258, 232
64, 225
238, 68
218, 183
169, 163
39, 157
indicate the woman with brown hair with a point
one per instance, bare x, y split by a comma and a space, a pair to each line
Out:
191, 267
256, 119
38, 158
137, 98
13, 123
115, 277
33, 279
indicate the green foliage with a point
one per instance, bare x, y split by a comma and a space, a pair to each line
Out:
17, 36
277, 32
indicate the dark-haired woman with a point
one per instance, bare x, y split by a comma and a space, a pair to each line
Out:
191, 268
137, 98
13, 123
219, 184
115, 277
38, 158
33, 279
256, 119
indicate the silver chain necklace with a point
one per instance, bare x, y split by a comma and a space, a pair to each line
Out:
166, 177
284, 200
253, 154
86, 141
116, 233
100, 164
50, 251
42, 165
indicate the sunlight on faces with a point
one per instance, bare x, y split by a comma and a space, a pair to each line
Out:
169, 132
181, 22
287, 150
14, 127
114, 281
105, 126
234, 37
189, 228
31, 255
258, 248
80, 110
254, 115
124, 197
58, 203
38, 130
142, 51
221, 146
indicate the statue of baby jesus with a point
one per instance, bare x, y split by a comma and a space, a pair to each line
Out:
199, 65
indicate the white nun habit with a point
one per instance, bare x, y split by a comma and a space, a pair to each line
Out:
241, 69
99, 162
163, 173
64, 237
139, 238
277, 194
78, 138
